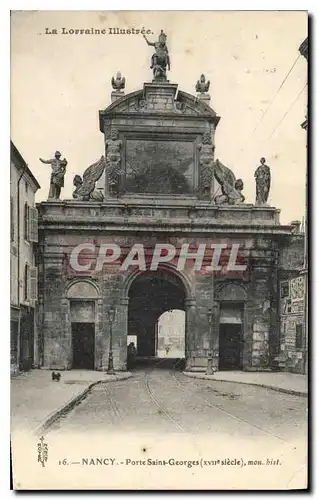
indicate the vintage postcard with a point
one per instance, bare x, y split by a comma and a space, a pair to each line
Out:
159, 334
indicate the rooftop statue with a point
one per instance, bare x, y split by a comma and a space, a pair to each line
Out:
119, 82
230, 186
160, 59
57, 176
263, 182
202, 86
85, 188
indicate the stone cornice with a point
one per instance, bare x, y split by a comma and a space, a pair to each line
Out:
158, 226
154, 201
160, 215
145, 116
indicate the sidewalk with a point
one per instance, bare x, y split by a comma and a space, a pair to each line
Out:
35, 397
291, 383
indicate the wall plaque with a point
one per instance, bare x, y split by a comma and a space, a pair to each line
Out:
159, 166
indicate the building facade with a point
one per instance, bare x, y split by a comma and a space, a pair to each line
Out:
23, 272
161, 186
294, 292
292, 306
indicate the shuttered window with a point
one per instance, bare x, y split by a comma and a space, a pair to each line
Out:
33, 284
26, 281
33, 224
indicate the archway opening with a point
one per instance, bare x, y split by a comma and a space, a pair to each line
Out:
151, 295
171, 334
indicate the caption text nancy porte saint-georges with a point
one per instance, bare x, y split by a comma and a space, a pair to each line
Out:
98, 31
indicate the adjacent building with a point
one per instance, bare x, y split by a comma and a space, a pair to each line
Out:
292, 307
294, 293
23, 270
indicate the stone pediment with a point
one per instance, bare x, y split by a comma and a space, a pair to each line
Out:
163, 142
160, 99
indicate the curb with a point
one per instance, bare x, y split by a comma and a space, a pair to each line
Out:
64, 409
265, 386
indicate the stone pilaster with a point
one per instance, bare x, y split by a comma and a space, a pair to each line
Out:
55, 348
274, 334
120, 335
202, 341
248, 323
215, 331
190, 333
261, 317
111, 290
100, 335
38, 333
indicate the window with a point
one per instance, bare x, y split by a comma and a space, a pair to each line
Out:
26, 282
284, 289
11, 219
26, 222
33, 224
33, 283
26, 187
30, 283
299, 337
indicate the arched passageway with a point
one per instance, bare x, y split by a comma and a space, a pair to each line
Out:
152, 294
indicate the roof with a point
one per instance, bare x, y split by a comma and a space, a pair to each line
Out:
22, 163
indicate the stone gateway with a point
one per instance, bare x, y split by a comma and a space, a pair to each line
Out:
161, 187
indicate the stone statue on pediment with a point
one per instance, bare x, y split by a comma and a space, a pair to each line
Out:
263, 182
202, 85
231, 187
85, 188
119, 82
58, 165
160, 60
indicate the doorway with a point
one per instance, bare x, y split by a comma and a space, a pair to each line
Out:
83, 339
231, 336
26, 357
230, 346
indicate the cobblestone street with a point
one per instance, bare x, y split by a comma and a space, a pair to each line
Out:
165, 401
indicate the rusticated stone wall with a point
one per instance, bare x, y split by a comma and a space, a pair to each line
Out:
201, 292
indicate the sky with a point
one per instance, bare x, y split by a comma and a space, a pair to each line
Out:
60, 82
